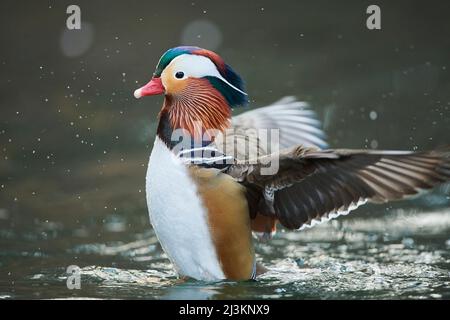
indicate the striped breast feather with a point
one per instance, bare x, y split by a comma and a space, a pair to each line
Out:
297, 122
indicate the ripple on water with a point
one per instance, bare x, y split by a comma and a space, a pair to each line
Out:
398, 256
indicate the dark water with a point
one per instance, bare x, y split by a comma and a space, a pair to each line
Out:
74, 144
403, 255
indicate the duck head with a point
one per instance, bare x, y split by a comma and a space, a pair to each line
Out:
199, 87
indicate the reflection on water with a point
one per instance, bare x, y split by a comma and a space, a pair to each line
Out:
399, 255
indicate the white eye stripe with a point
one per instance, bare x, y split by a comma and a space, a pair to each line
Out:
197, 67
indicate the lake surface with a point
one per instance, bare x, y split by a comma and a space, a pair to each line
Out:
401, 256
74, 143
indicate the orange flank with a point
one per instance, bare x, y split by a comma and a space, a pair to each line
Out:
264, 224
228, 219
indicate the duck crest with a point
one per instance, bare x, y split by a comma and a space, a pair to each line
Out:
233, 97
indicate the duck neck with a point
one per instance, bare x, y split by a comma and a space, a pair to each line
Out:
195, 119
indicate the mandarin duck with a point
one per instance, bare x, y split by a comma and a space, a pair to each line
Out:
212, 184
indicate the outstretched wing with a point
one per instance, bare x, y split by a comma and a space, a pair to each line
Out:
297, 122
315, 185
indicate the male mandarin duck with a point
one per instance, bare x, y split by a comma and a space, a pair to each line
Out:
206, 198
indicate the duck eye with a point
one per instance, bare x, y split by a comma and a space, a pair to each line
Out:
179, 75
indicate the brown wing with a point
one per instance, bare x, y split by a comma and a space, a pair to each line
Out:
315, 185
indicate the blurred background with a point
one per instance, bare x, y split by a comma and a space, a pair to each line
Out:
74, 143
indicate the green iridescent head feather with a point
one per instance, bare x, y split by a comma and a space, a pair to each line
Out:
233, 97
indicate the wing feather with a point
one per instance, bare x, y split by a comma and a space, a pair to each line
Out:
298, 124
314, 185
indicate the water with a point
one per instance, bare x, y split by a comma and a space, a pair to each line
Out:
402, 255
74, 143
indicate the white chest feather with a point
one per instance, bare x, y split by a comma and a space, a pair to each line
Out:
178, 216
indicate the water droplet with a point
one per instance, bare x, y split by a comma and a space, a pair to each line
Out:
374, 144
